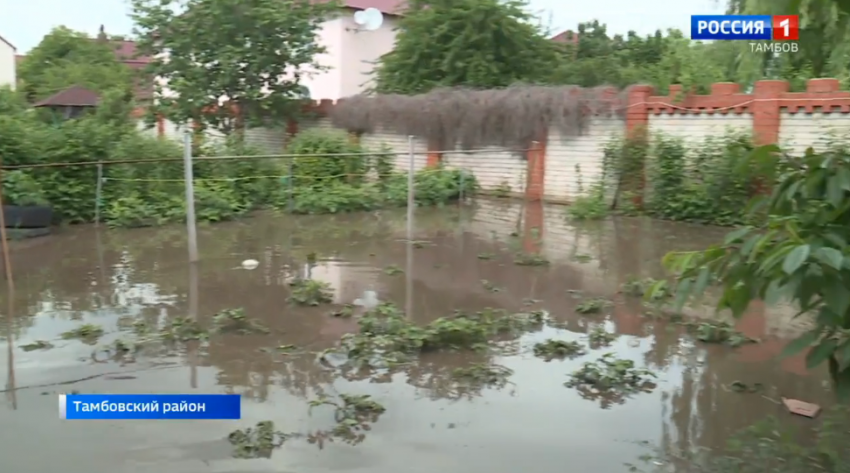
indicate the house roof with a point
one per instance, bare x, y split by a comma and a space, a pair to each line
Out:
74, 96
566, 37
7, 42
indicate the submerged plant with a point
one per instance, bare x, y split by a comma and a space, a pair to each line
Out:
592, 306
235, 321
611, 380
88, 333
353, 415
599, 337
388, 338
720, 333
481, 375
530, 259
309, 292
552, 349
256, 442
37, 345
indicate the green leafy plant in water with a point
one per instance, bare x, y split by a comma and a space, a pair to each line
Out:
88, 333
598, 337
611, 380
489, 286
387, 338
257, 442
353, 415
503, 190
720, 333
235, 321
552, 349
393, 270
182, 329
589, 206
481, 375
592, 306
530, 259
346, 311
37, 345
309, 292
638, 287
486, 256
800, 253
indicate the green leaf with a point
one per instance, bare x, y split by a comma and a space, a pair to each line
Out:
796, 258
702, 280
830, 257
801, 343
820, 353
843, 356
737, 235
840, 379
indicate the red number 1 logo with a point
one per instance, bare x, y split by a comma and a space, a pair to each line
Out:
786, 27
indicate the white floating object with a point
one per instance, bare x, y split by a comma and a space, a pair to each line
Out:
250, 264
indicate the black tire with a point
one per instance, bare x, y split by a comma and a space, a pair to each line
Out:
34, 216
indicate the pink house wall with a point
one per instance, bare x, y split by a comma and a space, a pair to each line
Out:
350, 55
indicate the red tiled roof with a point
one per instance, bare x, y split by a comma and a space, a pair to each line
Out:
565, 37
7, 42
74, 96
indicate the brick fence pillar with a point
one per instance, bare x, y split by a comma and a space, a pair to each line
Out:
766, 110
434, 157
637, 128
536, 171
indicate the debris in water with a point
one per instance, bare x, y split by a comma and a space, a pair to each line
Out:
489, 286
741, 387
805, 409
250, 264
526, 259
392, 270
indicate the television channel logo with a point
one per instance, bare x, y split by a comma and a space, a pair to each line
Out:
745, 27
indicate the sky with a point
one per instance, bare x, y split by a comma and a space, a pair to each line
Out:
25, 22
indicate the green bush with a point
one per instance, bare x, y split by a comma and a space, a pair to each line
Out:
433, 186
319, 170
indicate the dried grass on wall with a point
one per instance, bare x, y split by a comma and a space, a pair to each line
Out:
471, 119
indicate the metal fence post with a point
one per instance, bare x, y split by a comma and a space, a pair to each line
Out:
290, 189
188, 175
411, 184
98, 198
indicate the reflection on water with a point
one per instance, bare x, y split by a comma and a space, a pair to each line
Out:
117, 278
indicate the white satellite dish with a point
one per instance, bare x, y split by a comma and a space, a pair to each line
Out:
369, 19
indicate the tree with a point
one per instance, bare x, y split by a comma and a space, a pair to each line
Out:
473, 43
658, 59
65, 58
824, 42
251, 53
800, 252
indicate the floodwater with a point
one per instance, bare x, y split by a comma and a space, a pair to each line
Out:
113, 278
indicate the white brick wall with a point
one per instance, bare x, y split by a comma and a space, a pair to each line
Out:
799, 131
563, 181
400, 146
494, 169
694, 128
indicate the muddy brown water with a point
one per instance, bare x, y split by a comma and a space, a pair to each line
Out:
111, 278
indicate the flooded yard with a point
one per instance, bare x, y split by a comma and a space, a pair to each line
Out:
462, 259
